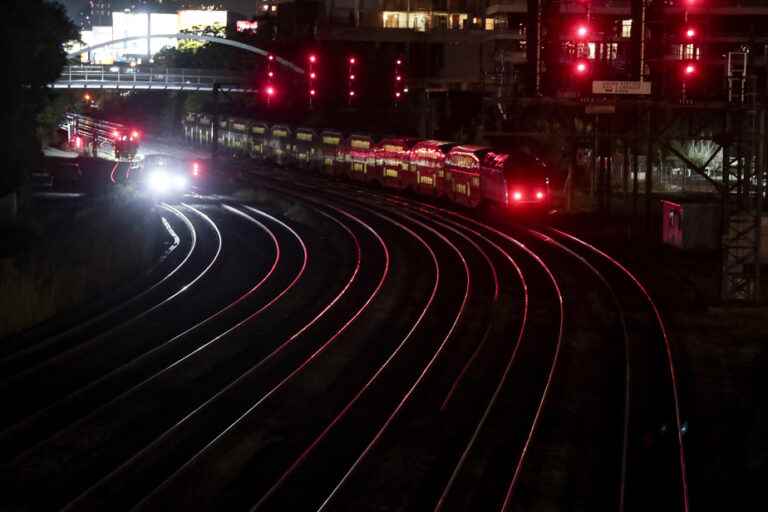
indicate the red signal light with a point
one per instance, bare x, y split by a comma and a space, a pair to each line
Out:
581, 68
689, 69
351, 93
539, 195
270, 91
351, 77
352, 60
313, 58
398, 78
271, 57
399, 62
270, 74
313, 75
116, 134
312, 92
582, 31
517, 195
397, 95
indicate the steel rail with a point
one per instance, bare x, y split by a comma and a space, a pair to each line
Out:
627, 355
667, 346
138, 359
303, 365
298, 461
165, 301
558, 345
199, 349
53, 339
425, 370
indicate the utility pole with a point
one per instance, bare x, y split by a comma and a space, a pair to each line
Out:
215, 141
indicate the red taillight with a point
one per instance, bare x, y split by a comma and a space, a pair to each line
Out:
517, 195
539, 195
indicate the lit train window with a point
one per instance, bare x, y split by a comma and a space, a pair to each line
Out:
392, 148
328, 162
304, 136
461, 188
279, 133
334, 141
360, 144
358, 167
390, 173
426, 180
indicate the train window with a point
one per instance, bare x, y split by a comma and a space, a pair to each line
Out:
476, 181
328, 162
461, 188
333, 141
390, 173
441, 173
304, 136
426, 180
391, 148
358, 167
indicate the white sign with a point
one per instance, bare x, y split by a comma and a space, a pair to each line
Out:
619, 87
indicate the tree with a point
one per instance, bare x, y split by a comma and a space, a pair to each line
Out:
33, 37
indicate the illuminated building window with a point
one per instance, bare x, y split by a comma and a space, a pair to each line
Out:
489, 23
626, 28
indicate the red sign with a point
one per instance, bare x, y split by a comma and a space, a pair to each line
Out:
247, 26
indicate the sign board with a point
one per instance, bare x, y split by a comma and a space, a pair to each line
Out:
600, 108
620, 87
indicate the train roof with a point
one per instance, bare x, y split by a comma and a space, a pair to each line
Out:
434, 144
475, 150
405, 142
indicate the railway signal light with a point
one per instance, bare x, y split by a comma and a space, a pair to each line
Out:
312, 58
582, 31
352, 61
581, 68
690, 33
270, 91
270, 57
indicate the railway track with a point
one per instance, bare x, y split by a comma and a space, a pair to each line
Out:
342, 349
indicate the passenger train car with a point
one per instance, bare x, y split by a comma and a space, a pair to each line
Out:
463, 174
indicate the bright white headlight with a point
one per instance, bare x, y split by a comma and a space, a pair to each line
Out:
179, 182
159, 181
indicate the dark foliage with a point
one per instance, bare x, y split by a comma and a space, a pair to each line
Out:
33, 35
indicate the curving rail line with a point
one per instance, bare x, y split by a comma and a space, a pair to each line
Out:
65, 403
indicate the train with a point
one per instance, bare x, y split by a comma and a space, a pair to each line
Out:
86, 134
467, 175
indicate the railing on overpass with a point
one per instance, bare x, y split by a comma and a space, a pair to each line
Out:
150, 78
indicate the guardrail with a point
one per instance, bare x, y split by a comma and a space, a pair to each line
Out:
149, 78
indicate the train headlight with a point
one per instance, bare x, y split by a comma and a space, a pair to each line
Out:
179, 182
159, 182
